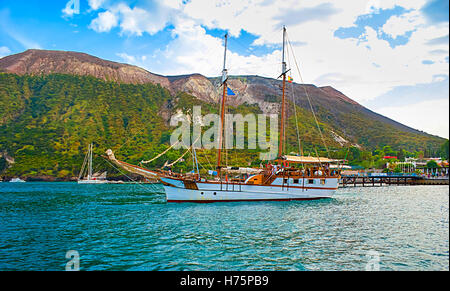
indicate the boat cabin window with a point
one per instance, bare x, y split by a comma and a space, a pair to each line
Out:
295, 181
285, 181
311, 181
323, 181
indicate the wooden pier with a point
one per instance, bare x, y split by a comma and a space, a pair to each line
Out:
379, 181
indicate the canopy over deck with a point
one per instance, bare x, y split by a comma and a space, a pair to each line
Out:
308, 160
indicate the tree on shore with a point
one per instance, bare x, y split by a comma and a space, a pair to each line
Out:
432, 164
444, 150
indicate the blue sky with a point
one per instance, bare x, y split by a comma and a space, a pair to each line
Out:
376, 21
389, 55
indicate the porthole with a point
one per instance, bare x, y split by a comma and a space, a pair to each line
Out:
202, 193
215, 193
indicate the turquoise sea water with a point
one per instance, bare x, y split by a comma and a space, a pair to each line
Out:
128, 227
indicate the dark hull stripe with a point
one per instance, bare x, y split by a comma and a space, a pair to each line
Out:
230, 188
245, 200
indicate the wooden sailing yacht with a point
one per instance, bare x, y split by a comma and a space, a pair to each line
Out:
86, 169
281, 182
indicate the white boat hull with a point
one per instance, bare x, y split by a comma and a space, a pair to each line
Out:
17, 180
215, 192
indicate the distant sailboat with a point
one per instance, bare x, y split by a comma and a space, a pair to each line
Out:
90, 178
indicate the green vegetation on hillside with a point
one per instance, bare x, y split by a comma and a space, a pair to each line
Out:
46, 123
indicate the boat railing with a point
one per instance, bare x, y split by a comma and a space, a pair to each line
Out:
311, 174
230, 186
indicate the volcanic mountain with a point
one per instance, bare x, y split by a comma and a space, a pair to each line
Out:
44, 62
251, 89
69, 92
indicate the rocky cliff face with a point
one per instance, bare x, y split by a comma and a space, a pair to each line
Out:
331, 104
249, 89
196, 85
37, 62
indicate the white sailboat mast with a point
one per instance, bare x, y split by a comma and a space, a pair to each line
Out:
90, 162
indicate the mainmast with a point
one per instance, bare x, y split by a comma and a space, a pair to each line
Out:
222, 114
283, 106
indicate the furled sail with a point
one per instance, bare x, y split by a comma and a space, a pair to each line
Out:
130, 168
161, 154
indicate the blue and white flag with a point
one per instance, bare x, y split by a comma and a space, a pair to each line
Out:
230, 92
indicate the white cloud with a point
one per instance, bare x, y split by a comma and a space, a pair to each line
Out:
399, 25
127, 58
430, 116
376, 5
194, 51
104, 22
136, 20
4, 51
350, 63
96, 4
346, 64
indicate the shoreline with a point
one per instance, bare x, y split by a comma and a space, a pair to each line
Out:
123, 178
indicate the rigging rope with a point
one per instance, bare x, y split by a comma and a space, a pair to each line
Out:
309, 101
179, 159
188, 150
153, 188
296, 122
199, 162
82, 167
225, 141
300, 151
209, 163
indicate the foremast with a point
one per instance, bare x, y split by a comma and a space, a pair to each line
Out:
283, 105
222, 113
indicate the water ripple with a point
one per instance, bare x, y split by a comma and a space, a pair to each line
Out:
129, 227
